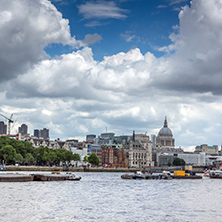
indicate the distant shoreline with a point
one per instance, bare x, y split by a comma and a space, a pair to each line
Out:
197, 169
70, 169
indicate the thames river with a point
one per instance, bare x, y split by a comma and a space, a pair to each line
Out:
107, 197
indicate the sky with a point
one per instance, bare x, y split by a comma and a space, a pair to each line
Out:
86, 67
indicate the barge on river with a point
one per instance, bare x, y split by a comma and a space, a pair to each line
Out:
15, 177
181, 174
139, 175
55, 176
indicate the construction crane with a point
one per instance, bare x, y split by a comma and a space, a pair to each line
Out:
9, 122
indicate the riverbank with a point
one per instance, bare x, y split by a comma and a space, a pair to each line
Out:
70, 169
196, 169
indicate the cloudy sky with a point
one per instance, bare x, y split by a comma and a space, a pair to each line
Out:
80, 67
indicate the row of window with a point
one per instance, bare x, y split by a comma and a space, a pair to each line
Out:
139, 155
141, 163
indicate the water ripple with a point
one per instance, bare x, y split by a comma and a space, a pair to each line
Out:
106, 197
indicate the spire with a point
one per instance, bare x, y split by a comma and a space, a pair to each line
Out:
165, 122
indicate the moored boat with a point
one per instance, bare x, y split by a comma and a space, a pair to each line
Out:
216, 174
181, 174
54, 176
128, 176
72, 177
150, 176
15, 177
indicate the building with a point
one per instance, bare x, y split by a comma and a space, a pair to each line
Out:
3, 128
189, 158
36, 133
118, 140
37, 142
165, 137
96, 149
107, 155
165, 144
59, 144
23, 129
44, 133
90, 137
209, 150
82, 151
104, 139
119, 158
153, 140
139, 151
213, 160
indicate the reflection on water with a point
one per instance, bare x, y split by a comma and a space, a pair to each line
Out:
106, 197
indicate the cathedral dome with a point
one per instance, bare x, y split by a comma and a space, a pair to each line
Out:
165, 131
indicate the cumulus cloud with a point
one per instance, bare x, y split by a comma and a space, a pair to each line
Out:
196, 64
26, 29
129, 90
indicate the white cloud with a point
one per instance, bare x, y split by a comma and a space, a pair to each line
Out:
126, 91
26, 29
103, 10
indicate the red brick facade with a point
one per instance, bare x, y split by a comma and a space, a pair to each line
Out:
114, 157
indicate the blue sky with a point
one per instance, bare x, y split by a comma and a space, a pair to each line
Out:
145, 24
81, 67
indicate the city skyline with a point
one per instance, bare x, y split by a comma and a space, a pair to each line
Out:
78, 67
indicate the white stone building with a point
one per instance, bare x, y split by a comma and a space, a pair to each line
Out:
165, 137
139, 151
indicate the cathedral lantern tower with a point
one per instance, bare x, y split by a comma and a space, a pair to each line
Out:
165, 137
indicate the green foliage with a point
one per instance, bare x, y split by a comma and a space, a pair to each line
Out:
169, 164
86, 159
179, 162
12, 150
7, 153
51, 158
76, 157
41, 155
69, 156
4, 140
29, 159
18, 158
93, 159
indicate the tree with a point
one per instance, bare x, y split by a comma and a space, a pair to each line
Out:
7, 153
93, 159
4, 140
41, 154
69, 156
179, 162
76, 157
18, 158
29, 159
86, 159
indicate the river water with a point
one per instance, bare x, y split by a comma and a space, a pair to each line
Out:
107, 197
